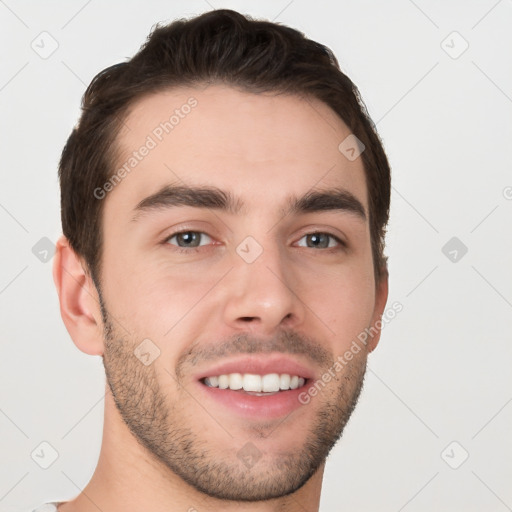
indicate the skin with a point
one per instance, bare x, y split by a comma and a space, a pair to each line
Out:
262, 148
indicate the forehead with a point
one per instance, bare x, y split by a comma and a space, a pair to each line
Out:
262, 147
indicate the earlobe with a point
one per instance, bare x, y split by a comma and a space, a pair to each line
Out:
381, 297
79, 301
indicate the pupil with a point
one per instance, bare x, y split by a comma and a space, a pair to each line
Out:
316, 239
189, 237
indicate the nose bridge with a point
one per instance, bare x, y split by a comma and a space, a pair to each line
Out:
261, 292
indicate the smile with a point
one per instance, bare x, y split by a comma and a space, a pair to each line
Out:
253, 383
260, 387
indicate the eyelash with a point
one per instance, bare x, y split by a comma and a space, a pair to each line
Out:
342, 244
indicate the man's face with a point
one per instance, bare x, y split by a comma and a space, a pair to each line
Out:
259, 289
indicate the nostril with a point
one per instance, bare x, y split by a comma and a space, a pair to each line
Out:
247, 318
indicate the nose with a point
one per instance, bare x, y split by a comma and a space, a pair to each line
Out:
260, 295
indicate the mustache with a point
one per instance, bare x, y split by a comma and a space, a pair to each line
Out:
285, 342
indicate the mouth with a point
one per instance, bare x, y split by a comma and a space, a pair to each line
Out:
254, 384
256, 387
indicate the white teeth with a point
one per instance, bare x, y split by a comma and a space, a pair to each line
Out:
284, 381
212, 382
223, 381
252, 382
269, 383
236, 381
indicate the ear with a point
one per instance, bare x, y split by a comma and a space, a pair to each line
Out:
79, 300
381, 297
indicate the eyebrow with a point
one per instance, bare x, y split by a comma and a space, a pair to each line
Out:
171, 196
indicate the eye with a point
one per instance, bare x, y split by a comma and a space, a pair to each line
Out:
190, 239
320, 241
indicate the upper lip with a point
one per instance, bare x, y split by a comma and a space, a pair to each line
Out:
262, 364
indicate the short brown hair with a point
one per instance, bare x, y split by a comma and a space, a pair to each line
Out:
220, 46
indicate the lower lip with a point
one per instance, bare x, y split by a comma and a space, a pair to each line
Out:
257, 407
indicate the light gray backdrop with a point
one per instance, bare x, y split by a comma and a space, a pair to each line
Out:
432, 430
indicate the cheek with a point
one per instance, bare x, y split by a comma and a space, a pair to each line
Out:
156, 298
344, 301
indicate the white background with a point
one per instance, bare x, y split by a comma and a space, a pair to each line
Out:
442, 371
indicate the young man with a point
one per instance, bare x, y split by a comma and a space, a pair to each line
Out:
224, 204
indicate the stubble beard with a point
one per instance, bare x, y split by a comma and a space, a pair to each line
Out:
181, 444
